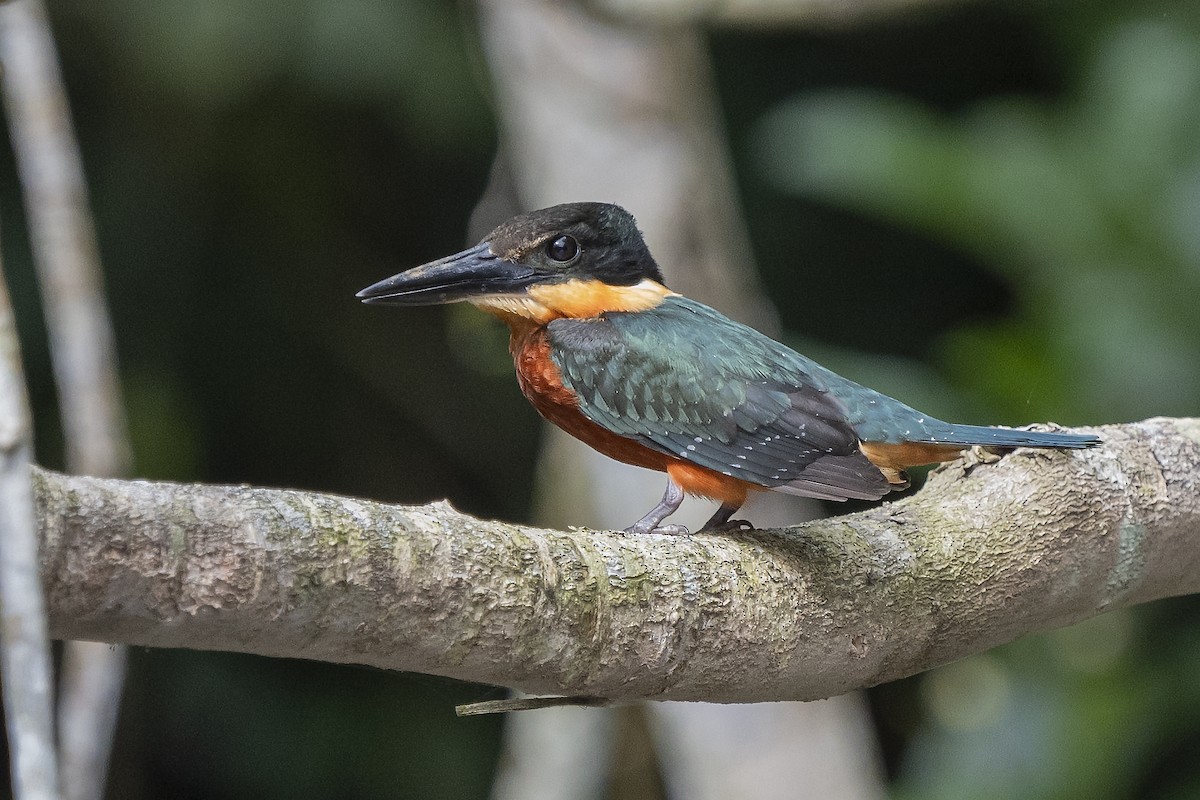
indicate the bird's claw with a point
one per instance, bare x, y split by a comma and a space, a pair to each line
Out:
669, 530
729, 526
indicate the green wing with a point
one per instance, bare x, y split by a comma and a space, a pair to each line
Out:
686, 381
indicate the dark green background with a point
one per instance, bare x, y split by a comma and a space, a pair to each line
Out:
991, 211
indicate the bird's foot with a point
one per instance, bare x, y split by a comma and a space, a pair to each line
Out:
720, 522
642, 527
665, 508
728, 526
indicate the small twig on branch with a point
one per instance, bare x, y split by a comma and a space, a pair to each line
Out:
526, 704
983, 554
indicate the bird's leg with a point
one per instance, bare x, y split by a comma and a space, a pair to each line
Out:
721, 520
665, 508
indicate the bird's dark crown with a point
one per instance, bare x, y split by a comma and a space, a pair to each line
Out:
598, 241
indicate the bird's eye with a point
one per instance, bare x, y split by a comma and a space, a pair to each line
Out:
562, 248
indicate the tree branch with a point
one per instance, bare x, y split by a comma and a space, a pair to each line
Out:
985, 553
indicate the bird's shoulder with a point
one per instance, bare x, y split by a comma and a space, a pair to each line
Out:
684, 337
682, 367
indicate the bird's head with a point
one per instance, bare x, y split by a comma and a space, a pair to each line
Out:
575, 259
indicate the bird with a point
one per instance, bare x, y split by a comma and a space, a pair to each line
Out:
603, 349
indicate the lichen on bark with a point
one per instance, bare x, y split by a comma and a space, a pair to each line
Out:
988, 550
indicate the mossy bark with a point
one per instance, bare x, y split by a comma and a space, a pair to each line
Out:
989, 550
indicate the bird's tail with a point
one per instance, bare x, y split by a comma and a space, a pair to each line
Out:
972, 435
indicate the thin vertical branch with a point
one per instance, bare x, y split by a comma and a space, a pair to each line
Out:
64, 243
24, 643
82, 349
93, 676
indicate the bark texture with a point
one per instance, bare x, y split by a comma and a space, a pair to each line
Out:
989, 550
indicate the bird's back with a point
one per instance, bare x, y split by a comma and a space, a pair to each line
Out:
687, 381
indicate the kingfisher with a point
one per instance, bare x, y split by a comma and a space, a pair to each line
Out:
607, 352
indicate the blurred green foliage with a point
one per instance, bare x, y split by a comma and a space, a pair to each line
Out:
1086, 205
988, 210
